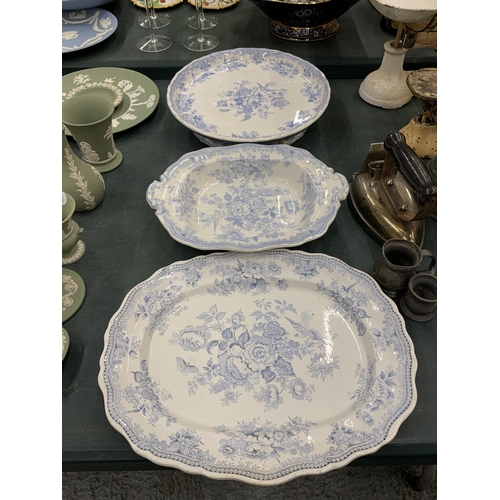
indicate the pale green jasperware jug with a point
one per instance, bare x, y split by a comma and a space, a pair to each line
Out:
80, 179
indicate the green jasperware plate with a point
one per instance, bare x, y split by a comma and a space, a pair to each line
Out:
73, 293
65, 343
140, 93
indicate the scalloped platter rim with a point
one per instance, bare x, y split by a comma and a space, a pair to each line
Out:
258, 367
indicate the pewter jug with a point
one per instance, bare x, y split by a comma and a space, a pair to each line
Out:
400, 260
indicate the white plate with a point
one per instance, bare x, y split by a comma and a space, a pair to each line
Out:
248, 95
86, 27
259, 367
247, 197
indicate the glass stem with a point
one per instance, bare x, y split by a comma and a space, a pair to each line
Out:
151, 13
200, 13
200, 17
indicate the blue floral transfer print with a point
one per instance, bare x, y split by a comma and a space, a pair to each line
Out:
147, 398
375, 391
244, 99
258, 441
267, 353
247, 197
254, 356
350, 302
247, 100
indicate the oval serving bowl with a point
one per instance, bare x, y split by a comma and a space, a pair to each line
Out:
259, 367
248, 95
247, 197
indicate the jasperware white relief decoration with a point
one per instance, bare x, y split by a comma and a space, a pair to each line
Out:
106, 89
86, 27
247, 197
259, 367
137, 94
248, 95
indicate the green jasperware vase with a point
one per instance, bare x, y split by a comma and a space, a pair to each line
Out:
89, 118
80, 179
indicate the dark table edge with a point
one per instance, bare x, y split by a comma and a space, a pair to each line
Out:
139, 464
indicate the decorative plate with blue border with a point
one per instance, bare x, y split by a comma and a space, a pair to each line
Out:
247, 197
248, 95
259, 367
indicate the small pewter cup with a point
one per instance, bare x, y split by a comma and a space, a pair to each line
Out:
400, 260
419, 303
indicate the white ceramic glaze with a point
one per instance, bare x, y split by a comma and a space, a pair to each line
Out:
259, 367
247, 197
386, 87
406, 11
248, 95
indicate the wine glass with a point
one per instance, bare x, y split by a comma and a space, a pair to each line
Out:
200, 42
154, 20
207, 22
152, 42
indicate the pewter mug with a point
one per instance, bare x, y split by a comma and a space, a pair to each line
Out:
419, 303
400, 260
